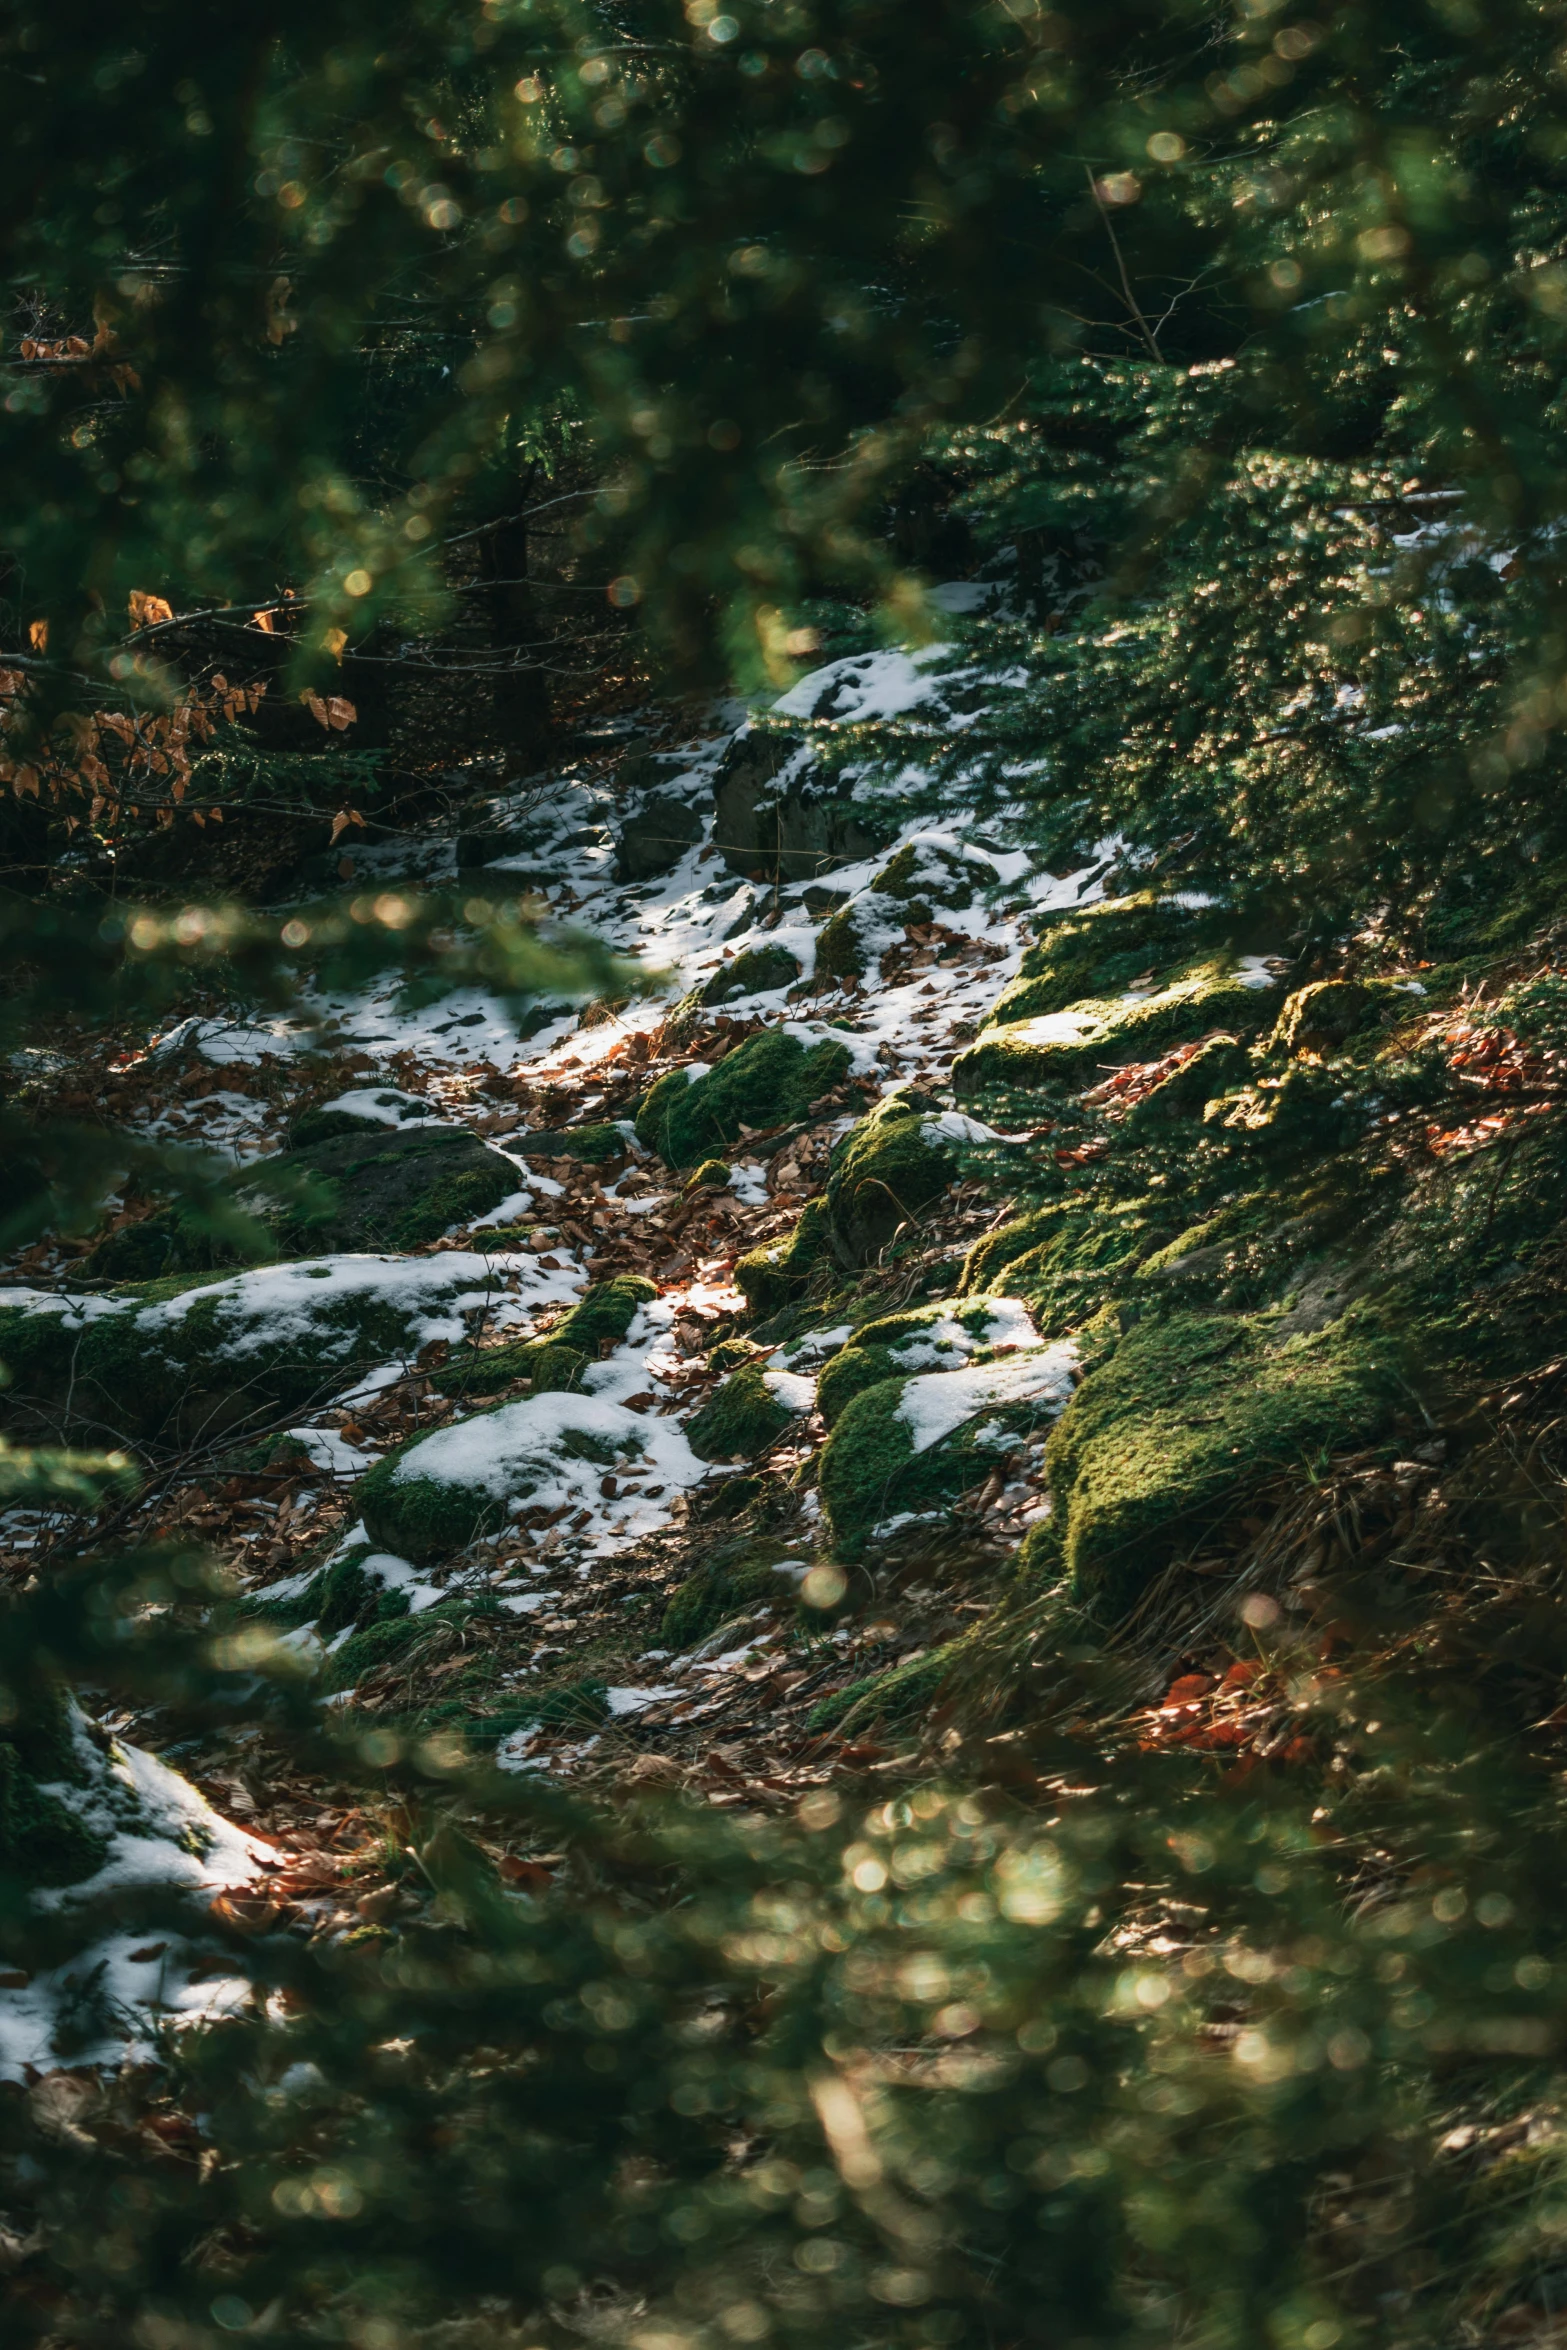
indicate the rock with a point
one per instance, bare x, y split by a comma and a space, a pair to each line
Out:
766, 1082
756, 972
555, 1363
740, 1577
883, 1173
1219, 991
596, 1145
926, 874
193, 1357
363, 1110
748, 1412
914, 1444
1324, 1016
776, 1274
939, 1337
653, 839
1219, 1063
779, 818
1181, 1423
438, 1493
365, 1186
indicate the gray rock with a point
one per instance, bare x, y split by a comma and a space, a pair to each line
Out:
654, 838
779, 818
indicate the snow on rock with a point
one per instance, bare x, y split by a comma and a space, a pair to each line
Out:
935, 1403
160, 1838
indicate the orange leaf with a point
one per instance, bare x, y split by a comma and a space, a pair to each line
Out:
263, 620
147, 609
340, 713
38, 635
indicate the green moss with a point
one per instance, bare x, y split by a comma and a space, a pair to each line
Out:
847, 942
552, 1369
926, 872
1197, 996
870, 1471
712, 1175
1067, 1258
775, 1275
740, 1418
849, 1373
606, 1311
413, 1505
137, 1372
384, 1637
1324, 1016
893, 1698
765, 1082
1185, 1419
756, 972
883, 1174
739, 1577
42, 1841
369, 1187
1100, 950
1219, 1063
596, 1145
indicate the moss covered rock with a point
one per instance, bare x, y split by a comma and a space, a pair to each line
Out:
916, 1444
851, 1371
690, 1114
889, 1168
596, 1145
926, 875
1219, 1063
189, 1357
775, 1275
436, 1494
741, 1575
554, 1364
1099, 951
1066, 1046
1323, 1017
550, 1369
712, 1175
1184, 1421
371, 1187
758, 971
749, 1412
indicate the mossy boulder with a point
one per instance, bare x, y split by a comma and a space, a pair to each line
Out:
758, 971
1185, 1420
712, 1175
938, 1337
550, 1369
691, 1114
1066, 1046
1067, 1257
890, 1167
748, 1412
926, 875
1219, 1063
605, 1311
893, 1698
741, 1575
368, 1109
554, 1364
192, 1357
1323, 1017
43, 1839
851, 1371
595, 1145
369, 1188
781, 1271
1099, 951
436, 1494
853, 940
916, 1444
